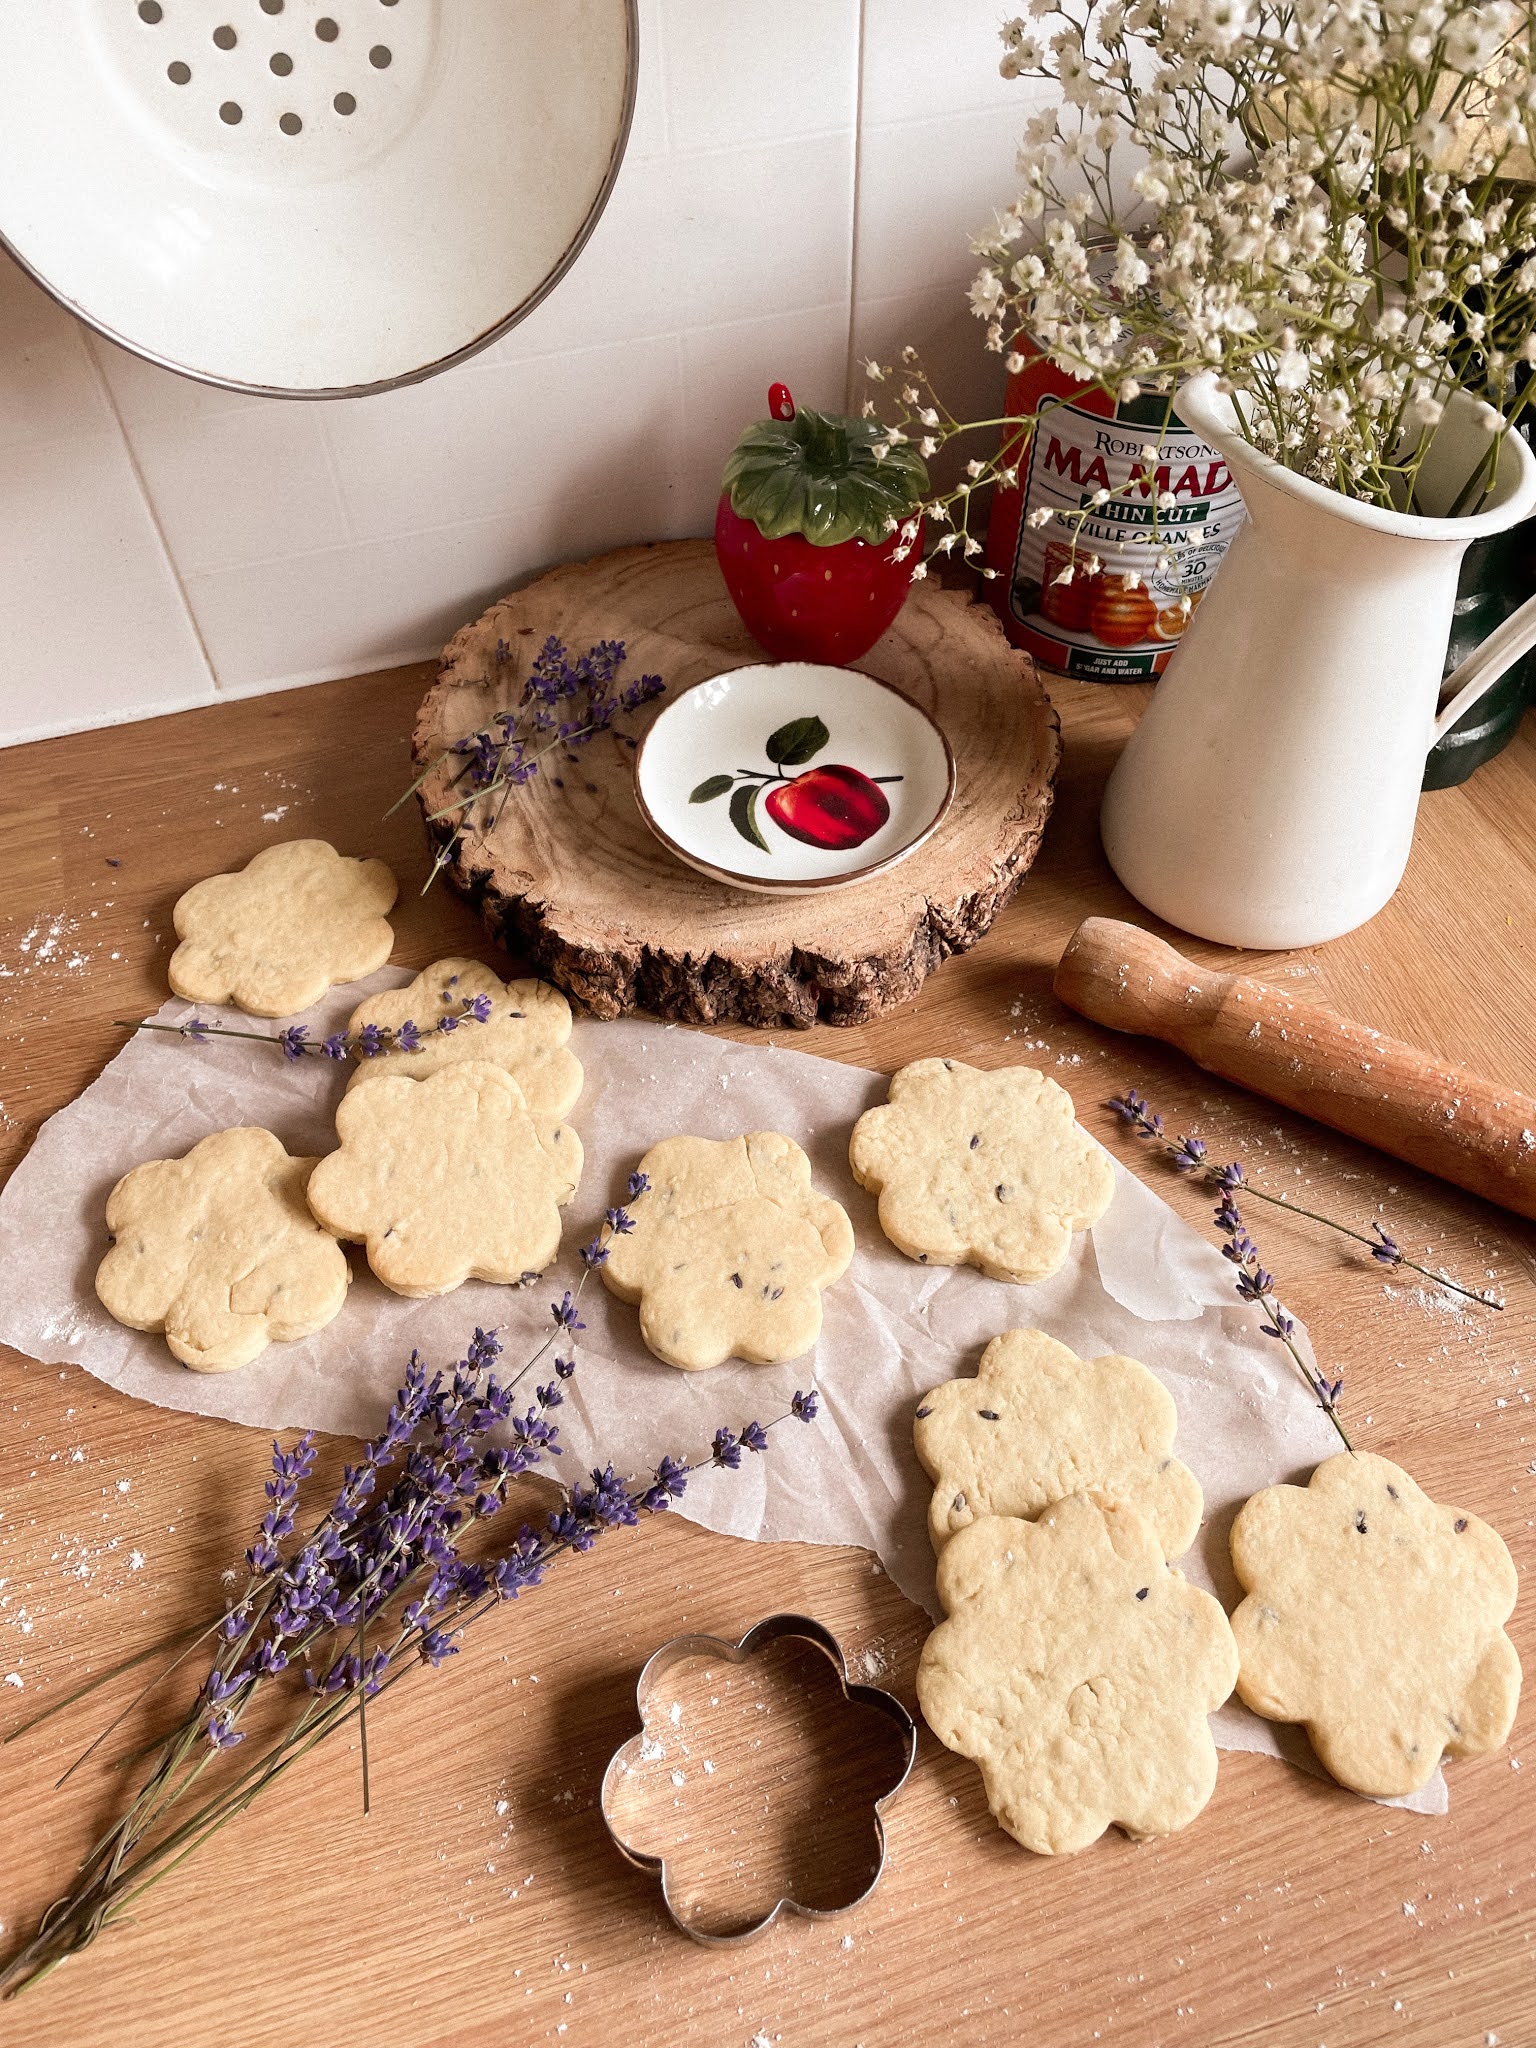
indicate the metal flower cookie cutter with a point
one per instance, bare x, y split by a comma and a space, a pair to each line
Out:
757, 1783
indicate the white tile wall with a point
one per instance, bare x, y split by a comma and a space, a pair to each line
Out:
93, 624
800, 184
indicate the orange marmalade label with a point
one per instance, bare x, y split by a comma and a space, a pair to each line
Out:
1122, 623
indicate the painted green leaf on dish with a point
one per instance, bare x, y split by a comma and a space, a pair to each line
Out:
711, 787
744, 815
795, 743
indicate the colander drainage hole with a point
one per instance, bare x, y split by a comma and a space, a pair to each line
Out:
230, 112
344, 103
225, 38
151, 11
326, 29
271, 6
379, 57
281, 63
179, 74
290, 124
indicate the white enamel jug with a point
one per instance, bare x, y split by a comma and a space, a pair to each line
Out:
1267, 797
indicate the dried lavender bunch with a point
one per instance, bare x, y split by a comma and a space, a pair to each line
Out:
1188, 1155
294, 1040
377, 1589
562, 705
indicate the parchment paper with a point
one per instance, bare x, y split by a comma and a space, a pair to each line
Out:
1140, 1282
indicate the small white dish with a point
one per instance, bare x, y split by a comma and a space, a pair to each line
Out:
790, 777
308, 198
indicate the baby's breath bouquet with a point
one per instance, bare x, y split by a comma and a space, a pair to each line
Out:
1327, 203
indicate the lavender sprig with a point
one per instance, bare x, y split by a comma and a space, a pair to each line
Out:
1188, 1155
1255, 1284
380, 1587
564, 703
295, 1042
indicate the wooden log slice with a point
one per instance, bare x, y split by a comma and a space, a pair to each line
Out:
566, 872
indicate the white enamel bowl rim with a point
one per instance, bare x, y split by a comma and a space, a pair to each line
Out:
479, 330
805, 885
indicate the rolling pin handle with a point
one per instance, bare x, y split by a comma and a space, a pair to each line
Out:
1130, 980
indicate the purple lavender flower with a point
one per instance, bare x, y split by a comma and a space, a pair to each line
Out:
639, 1184
222, 1733
594, 1254
335, 1047
672, 1475
754, 1437
1189, 1155
1387, 1250
725, 1450
1132, 1109
195, 1029
292, 1041
620, 1222
804, 1406
408, 1038
478, 1007
564, 1313
484, 1348
369, 1042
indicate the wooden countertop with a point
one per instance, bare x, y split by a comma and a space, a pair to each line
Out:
1290, 1915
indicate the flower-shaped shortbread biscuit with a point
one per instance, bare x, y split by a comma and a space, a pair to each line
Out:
730, 1251
525, 1032
1077, 1669
219, 1250
1375, 1617
1038, 1423
276, 935
447, 1179
981, 1169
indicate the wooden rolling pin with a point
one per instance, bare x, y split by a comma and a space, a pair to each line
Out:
1450, 1122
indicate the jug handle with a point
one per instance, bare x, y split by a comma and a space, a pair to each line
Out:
1485, 664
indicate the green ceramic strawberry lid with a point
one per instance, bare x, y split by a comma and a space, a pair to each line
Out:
817, 474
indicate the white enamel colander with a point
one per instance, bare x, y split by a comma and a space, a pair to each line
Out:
308, 198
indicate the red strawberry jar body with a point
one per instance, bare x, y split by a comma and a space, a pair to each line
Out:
809, 532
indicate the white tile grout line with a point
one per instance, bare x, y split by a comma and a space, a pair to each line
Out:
89, 342
853, 225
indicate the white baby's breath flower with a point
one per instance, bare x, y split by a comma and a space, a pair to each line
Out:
1131, 271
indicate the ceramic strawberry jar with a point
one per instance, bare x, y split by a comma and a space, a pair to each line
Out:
807, 531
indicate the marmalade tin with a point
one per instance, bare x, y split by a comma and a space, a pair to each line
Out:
1106, 628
